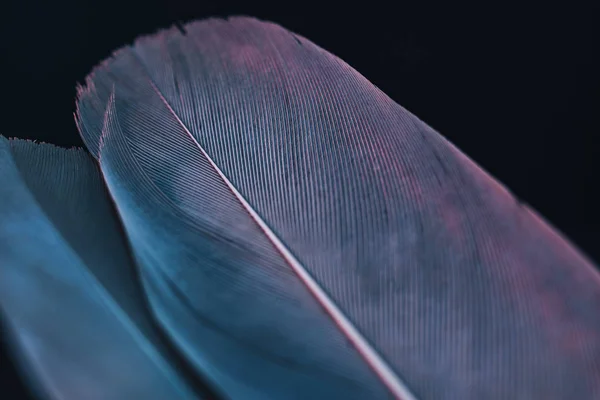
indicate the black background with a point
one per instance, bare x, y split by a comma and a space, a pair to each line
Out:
517, 89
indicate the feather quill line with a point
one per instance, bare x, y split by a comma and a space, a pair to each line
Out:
370, 355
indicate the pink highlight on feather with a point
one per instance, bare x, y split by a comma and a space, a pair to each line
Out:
245, 55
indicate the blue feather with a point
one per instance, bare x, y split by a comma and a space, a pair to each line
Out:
300, 235
68, 288
296, 235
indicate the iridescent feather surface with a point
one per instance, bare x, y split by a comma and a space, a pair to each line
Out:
299, 235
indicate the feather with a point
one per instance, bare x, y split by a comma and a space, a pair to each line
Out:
300, 235
74, 310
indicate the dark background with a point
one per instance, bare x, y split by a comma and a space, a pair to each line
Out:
517, 89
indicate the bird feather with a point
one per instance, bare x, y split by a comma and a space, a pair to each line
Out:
301, 235
288, 232
74, 310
